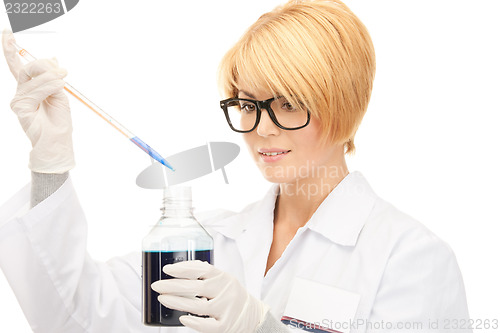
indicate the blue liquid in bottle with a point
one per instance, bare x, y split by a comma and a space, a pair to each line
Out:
176, 237
154, 312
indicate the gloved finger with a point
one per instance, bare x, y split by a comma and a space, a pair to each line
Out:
10, 53
59, 99
199, 306
200, 324
190, 269
39, 82
27, 103
178, 287
39, 67
184, 287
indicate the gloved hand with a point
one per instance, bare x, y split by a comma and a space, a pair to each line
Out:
42, 109
231, 309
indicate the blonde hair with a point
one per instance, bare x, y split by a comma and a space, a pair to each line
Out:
316, 53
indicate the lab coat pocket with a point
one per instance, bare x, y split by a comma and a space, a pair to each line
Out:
316, 307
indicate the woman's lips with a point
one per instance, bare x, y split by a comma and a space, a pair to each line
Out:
272, 155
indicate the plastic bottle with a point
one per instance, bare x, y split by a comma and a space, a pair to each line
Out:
176, 237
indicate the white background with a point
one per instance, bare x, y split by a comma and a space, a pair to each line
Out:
428, 143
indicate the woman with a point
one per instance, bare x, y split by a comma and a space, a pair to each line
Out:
320, 251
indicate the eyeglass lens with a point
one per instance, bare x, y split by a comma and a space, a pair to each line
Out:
243, 114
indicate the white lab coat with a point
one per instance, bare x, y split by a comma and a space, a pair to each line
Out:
358, 265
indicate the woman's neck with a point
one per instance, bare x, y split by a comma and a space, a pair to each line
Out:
298, 201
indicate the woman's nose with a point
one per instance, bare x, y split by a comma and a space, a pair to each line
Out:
266, 125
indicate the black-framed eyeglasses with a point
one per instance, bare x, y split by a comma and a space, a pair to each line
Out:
243, 115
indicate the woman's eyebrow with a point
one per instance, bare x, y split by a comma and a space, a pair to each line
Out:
246, 93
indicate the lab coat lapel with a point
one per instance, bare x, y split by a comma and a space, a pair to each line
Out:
255, 240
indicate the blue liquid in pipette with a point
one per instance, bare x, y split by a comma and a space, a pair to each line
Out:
151, 152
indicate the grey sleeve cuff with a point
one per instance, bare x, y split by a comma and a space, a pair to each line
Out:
271, 325
44, 184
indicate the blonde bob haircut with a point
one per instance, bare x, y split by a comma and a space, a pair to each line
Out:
315, 53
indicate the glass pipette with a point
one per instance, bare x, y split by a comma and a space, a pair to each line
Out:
79, 96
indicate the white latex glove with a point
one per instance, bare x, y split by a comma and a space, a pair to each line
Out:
231, 309
42, 109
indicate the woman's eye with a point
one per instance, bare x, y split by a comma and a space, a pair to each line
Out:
247, 107
288, 107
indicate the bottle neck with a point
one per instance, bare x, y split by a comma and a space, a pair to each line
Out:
176, 212
177, 202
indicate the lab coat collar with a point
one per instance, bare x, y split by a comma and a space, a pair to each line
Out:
343, 213
340, 217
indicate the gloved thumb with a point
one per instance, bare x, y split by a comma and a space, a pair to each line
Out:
10, 53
